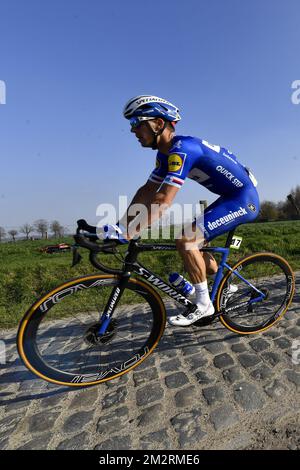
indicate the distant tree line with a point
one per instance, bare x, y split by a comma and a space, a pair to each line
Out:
269, 211
40, 226
282, 210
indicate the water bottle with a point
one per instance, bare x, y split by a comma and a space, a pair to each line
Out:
181, 284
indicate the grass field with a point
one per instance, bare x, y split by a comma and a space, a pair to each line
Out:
26, 273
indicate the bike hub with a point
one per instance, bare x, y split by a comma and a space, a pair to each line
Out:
92, 337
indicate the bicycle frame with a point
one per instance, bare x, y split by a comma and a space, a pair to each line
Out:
132, 265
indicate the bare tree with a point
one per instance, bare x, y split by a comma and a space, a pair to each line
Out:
41, 226
2, 233
27, 229
13, 234
57, 229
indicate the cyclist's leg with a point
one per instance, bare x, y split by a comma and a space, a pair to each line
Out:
223, 215
227, 212
188, 248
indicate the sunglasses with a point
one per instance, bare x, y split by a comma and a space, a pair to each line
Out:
135, 122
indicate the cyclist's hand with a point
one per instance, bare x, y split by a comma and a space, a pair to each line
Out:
112, 232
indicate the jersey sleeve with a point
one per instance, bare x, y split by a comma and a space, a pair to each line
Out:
161, 169
172, 169
178, 168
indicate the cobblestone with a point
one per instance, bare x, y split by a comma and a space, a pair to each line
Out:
293, 332
276, 389
77, 442
223, 360
249, 360
42, 421
202, 388
150, 415
197, 361
170, 366
156, 440
88, 397
293, 377
238, 348
233, 374
272, 358
186, 396
187, 425
116, 443
213, 394
39, 443
248, 396
77, 421
115, 398
112, 421
282, 343
203, 378
214, 347
149, 394
176, 380
145, 376
259, 344
262, 372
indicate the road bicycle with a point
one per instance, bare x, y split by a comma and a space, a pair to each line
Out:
98, 327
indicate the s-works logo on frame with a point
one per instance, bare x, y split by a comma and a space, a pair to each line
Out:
2, 92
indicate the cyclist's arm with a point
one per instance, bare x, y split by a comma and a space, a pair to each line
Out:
152, 210
144, 195
162, 201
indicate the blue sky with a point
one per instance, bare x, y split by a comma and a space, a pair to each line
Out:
69, 67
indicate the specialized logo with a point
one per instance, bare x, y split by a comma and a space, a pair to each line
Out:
113, 301
163, 286
157, 164
150, 99
236, 182
175, 163
232, 215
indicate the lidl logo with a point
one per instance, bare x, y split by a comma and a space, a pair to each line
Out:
175, 163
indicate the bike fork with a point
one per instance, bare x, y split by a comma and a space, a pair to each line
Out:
111, 305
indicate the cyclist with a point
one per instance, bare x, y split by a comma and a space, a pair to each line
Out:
153, 121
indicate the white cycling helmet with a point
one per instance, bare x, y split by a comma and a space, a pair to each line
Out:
150, 107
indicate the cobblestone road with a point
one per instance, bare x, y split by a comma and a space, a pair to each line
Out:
203, 388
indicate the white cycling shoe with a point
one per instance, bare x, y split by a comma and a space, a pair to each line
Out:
181, 320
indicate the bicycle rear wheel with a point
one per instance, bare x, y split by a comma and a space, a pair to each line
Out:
264, 293
57, 338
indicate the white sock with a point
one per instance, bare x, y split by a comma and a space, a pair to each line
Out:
202, 294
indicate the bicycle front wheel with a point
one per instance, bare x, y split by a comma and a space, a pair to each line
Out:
257, 295
57, 338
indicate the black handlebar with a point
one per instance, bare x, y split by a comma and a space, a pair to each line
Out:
86, 237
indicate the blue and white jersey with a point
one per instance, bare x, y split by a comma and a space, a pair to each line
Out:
212, 166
